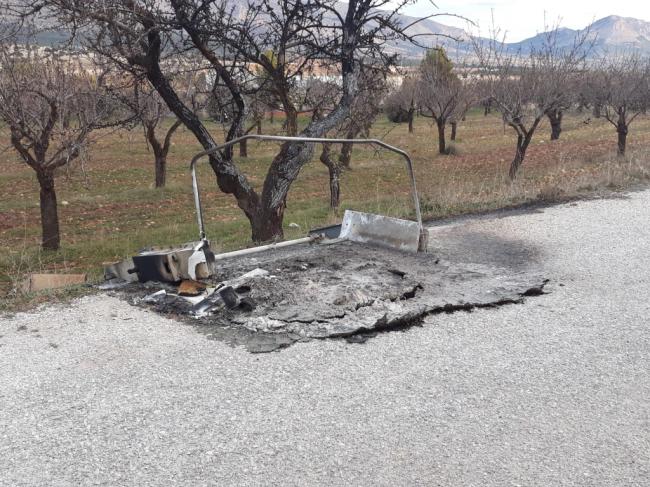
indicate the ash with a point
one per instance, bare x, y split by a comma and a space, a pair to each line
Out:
345, 290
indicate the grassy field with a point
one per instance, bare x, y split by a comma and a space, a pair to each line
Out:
109, 208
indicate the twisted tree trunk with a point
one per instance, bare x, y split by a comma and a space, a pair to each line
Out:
51, 236
442, 144
524, 137
555, 119
160, 162
598, 110
264, 211
621, 130
523, 141
334, 175
160, 151
411, 116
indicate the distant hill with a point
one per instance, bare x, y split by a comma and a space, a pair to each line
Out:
611, 34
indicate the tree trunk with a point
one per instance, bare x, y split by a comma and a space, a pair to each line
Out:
411, 116
266, 224
335, 186
346, 154
160, 156
259, 126
442, 145
555, 118
243, 148
161, 169
161, 151
229, 178
334, 175
597, 112
520, 154
291, 120
621, 129
454, 126
49, 213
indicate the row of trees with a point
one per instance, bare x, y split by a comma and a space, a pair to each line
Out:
524, 90
437, 91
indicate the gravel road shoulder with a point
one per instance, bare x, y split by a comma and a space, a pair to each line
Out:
551, 392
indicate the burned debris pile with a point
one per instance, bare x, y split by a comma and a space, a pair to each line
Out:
325, 291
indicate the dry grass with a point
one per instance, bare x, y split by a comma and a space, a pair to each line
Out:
111, 209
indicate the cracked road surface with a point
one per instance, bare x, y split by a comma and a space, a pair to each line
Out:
555, 391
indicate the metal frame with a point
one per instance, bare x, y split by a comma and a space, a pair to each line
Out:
282, 138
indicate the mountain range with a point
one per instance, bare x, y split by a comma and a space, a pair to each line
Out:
612, 34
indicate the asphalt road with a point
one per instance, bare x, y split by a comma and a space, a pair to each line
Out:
555, 391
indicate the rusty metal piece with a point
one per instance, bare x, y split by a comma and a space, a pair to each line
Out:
189, 287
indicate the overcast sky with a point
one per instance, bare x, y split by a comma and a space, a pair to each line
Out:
522, 19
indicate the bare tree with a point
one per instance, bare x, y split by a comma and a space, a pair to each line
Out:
555, 116
467, 101
51, 105
486, 104
525, 88
401, 103
256, 110
364, 111
442, 95
233, 40
570, 95
152, 112
620, 88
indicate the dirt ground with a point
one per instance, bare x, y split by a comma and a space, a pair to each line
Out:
109, 208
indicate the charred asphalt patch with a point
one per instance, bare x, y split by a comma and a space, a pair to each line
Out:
350, 291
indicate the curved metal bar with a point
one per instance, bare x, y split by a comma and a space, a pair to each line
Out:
282, 138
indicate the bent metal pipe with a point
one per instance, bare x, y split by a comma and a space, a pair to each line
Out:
282, 138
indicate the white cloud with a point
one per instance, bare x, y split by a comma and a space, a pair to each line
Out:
525, 18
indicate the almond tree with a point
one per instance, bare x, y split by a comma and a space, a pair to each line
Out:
51, 103
621, 90
152, 112
468, 100
525, 88
256, 110
401, 103
441, 94
364, 111
570, 95
233, 39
